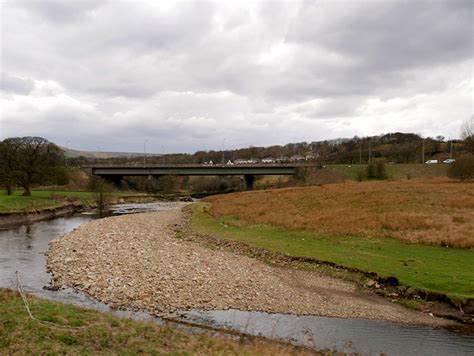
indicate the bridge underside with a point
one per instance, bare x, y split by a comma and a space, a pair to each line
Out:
116, 174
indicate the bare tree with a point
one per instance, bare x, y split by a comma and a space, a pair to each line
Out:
31, 160
467, 134
467, 128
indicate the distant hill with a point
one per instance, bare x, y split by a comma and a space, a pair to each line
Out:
394, 147
70, 153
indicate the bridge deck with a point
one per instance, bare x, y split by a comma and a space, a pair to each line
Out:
269, 169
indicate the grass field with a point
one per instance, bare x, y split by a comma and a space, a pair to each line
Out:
395, 171
392, 228
45, 199
41, 199
339, 172
428, 268
433, 211
81, 331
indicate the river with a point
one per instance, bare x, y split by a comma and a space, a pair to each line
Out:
23, 249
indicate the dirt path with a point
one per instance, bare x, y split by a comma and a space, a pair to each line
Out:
134, 261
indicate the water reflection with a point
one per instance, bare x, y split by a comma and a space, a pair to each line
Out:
346, 335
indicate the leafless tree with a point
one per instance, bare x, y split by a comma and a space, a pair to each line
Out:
467, 134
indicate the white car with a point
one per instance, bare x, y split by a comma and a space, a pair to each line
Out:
432, 161
449, 160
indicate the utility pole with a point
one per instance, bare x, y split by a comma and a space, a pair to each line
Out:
67, 146
423, 152
223, 152
370, 151
451, 149
360, 153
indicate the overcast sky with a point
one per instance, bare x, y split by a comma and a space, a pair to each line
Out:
190, 76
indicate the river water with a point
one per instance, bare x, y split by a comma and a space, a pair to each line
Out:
23, 249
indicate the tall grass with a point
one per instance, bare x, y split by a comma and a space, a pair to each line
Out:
434, 211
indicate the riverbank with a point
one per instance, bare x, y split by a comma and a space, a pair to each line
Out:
136, 262
15, 219
67, 329
46, 205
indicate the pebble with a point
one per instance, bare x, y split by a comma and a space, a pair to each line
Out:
135, 261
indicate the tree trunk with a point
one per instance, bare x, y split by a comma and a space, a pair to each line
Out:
27, 190
8, 188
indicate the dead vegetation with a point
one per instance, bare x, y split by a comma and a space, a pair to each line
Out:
434, 211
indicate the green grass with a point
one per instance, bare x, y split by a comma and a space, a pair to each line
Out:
45, 199
395, 171
428, 268
39, 200
88, 332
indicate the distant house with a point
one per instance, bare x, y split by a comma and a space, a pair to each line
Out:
240, 161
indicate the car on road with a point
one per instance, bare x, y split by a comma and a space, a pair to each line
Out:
432, 161
449, 160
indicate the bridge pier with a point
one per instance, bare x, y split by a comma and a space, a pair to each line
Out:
249, 179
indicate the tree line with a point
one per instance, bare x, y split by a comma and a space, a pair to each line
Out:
29, 161
393, 147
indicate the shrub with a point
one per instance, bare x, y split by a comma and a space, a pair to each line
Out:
380, 170
360, 175
376, 170
101, 188
370, 171
462, 168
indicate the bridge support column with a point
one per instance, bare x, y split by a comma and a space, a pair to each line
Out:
248, 181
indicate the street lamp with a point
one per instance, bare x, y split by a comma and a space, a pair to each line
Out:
144, 152
223, 150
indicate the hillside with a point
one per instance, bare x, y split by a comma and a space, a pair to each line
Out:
396, 147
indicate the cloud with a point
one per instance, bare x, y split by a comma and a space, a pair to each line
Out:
187, 75
16, 85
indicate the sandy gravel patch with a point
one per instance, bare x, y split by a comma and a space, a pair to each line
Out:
134, 261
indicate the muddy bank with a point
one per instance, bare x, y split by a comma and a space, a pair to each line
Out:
8, 220
136, 262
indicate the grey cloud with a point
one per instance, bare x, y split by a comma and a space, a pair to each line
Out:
60, 12
390, 35
16, 85
197, 71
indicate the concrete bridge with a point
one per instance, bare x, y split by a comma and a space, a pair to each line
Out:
248, 172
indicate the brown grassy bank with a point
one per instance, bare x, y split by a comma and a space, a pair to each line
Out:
434, 211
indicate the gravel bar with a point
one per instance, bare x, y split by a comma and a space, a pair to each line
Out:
135, 261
